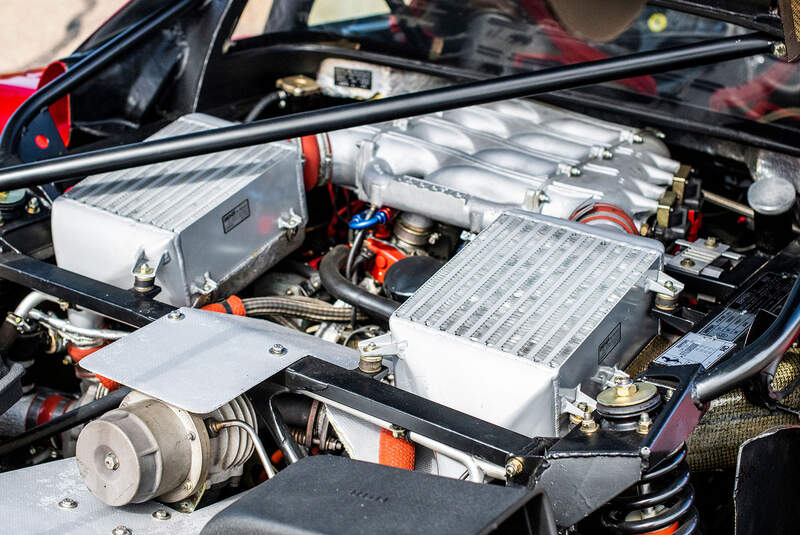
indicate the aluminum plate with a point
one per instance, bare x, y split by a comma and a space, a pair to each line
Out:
31, 497
206, 359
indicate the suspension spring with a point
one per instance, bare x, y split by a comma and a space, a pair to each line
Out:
661, 503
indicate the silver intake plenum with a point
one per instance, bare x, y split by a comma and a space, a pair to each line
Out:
466, 166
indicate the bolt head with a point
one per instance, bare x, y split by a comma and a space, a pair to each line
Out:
68, 503
687, 262
162, 514
144, 269
669, 285
514, 467
110, 461
176, 315
188, 485
277, 349
711, 242
121, 530
779, 50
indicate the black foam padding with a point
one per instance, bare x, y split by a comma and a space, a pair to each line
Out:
325, 494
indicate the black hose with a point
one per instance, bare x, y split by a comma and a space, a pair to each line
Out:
341, 288
295, 306
261, 105
66, 421
280, 433
385, 109
755, 357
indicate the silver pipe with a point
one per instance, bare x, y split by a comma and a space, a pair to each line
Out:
216, 425
477, 468
64, 326
31, 301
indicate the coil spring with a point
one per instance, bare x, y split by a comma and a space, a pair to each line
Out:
661, 503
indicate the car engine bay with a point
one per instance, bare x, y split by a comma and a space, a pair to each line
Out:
508, 316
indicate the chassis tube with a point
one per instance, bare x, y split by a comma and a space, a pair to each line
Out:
357, 114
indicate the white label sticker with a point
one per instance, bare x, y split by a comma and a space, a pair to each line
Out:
695, 349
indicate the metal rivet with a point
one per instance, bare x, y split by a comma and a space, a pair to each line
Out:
111, 461
277, 349
68, 503
162, 514
121, 530
176, 315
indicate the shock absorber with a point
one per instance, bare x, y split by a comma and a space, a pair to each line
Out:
661, 503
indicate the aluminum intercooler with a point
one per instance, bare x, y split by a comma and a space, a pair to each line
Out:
528, 309
206, 224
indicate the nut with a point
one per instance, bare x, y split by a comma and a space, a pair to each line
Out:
588, 424
68, 503
111, 461
514, 467
162, 514
644, 424
779, 50
277, 349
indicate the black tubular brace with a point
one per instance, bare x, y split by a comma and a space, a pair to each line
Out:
755, 357
387, 109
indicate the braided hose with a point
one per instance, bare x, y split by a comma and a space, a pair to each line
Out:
297, 306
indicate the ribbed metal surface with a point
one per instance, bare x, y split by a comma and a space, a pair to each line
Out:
171, 195
530, 288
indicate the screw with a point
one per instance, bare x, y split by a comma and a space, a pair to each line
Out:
190, 435
543, 197
277, 349
111, 461
637, 138
372, 346
162, 514
574, 171
687, 262
607, 154
669, 285
176, 315
188, 485
779, 50
121, 530
68, 503
514, 467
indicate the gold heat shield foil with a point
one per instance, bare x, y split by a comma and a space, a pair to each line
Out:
731, 419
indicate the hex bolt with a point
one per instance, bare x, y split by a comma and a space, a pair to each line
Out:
669, 285
188, 485
588, 424
637, 138
162, 514
277, 349
779, 50
514, 467
121, 530
144, 269
711, 242
175, 315
111, 461
625, 387
68, 503
574, 171
607, 154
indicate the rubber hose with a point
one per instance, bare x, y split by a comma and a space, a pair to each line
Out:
339, 287
73, 418
753, 358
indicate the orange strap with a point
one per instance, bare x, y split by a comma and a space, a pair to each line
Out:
232, 305
395, 452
